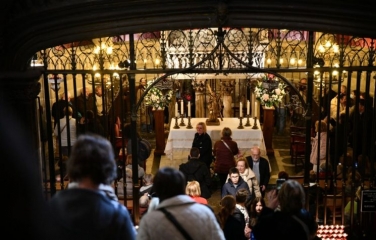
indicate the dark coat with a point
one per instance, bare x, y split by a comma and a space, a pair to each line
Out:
204, 143
87, 214
264, 170
83, 104
93, 126
233, 229
230, 189
224, 158
280, 225
198, 171
57, 110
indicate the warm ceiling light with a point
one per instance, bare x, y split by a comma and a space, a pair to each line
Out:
109, 50
321, 48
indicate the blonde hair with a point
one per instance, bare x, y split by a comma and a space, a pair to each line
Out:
193, 189
203, 125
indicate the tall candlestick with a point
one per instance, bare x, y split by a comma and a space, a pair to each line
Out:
182, 107
248, 106
176, 109
240, 109
189, 108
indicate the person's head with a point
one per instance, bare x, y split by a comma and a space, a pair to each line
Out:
303, 84
226, 132
354, 93
127, 131
168, 183
89, 115
92, 157
227, 208
128, 173
98, 90
346, 160
362, 105
241, 196
283, 175
342, 98
194, 153
342, 118
68, 111
257, 205
85, 91
291, 197
147, 179
242, 164
320, 126
343, 89
193, 189
234, 175
143, 82
201, 128
144, 201
255, 153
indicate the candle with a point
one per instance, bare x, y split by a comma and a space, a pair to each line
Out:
176, 109
182, 107
240, 109
189, 108
255, 110
248, 106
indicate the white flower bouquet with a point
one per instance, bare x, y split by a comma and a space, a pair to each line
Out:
269, 93
156, 98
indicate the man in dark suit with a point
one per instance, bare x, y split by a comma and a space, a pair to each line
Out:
260, 167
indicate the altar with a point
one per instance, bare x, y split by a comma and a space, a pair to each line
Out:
180, 140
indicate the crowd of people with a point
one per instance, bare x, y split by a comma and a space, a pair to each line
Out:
177, 199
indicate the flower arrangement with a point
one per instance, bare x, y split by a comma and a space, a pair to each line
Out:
270, 92
157, 98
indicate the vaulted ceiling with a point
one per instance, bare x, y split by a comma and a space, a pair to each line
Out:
30, 25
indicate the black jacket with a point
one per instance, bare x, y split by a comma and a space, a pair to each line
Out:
204, 143
280, 225
264, 170
233, 229
198, 171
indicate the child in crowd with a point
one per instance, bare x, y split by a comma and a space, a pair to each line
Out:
257, 205
193, 190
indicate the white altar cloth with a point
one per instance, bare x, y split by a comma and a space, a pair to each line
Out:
180, 140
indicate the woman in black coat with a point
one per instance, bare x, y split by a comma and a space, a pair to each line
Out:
203, 141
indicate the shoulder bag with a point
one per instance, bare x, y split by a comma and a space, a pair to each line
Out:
176, 223
230, 150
